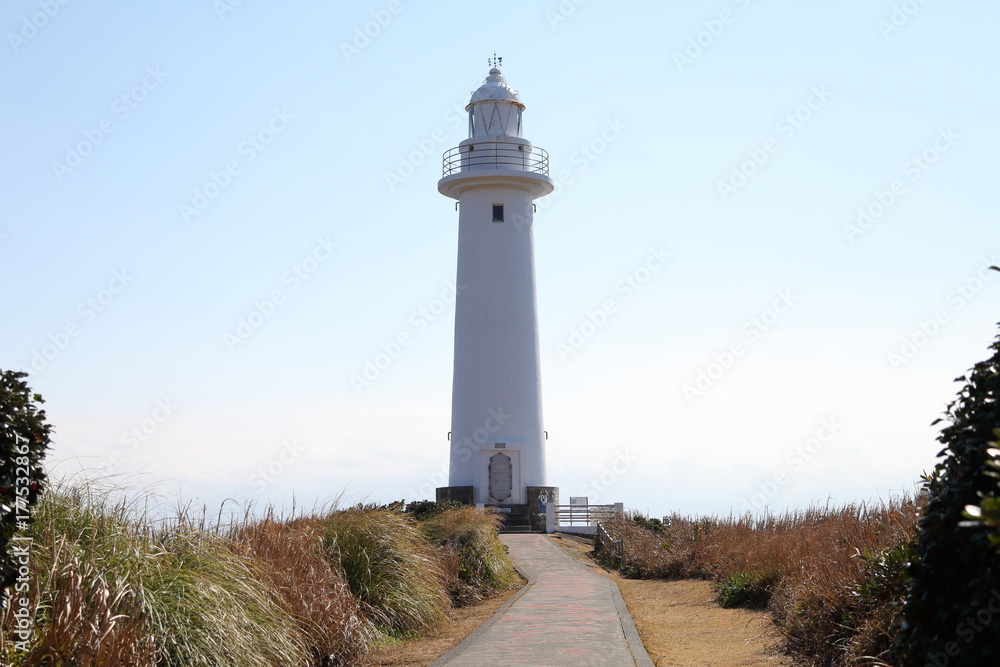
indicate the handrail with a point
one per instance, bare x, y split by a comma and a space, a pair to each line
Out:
499, 155
617, 546
583, 515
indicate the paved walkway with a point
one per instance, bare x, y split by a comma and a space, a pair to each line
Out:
565, 615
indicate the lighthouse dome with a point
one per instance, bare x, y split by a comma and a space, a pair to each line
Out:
495, 108
496, 89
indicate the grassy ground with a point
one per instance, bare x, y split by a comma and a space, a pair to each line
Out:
680, 622
831, 579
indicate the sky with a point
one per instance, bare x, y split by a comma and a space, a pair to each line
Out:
764, 263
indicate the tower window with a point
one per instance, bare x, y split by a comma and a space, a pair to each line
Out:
497, 212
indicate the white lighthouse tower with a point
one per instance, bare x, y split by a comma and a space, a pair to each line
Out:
497, 436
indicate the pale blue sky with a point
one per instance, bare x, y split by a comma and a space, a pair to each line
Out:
349, 131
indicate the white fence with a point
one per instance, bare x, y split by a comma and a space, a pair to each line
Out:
580, 518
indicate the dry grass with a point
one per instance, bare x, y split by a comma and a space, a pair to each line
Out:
110, 585
389, 566
313, 593
91, 621
821, 593
474, 560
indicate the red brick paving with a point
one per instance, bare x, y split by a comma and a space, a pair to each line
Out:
569, 616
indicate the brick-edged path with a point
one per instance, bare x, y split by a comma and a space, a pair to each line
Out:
565, 615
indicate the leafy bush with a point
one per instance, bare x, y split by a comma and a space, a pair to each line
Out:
955, 570
987, 513
24, 437
653, 524
878, 597
421, 510
751, 590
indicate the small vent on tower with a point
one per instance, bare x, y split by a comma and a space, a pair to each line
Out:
497, 212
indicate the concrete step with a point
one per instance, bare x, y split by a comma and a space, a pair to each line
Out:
505, 530
516, 518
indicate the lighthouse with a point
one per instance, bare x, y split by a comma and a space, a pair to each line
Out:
497, 438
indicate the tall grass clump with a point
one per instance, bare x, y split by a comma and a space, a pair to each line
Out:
389, 566
111, 588
315, 594
84, 554
476, 560
208, 606
832, 578
84, 620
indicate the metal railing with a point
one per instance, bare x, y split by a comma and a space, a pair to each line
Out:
490, 155
607, 541
583, 515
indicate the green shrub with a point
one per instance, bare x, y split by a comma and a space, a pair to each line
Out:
481, 565
987, 513
751, 590
24, 437
955, 570
653, 524
389, 567
883, 578
421, 510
